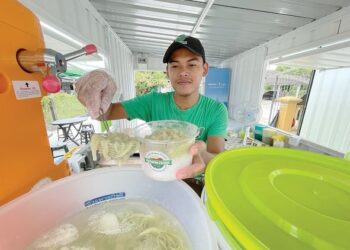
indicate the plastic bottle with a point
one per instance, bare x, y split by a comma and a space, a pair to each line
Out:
258, 131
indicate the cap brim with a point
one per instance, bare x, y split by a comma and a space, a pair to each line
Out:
174, 46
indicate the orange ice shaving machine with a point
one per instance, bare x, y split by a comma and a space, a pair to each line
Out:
27, 72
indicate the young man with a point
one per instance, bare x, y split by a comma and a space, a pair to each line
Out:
186, 65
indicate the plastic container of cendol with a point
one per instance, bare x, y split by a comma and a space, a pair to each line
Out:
165, 147
278, 198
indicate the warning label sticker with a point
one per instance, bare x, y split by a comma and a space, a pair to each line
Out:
26, 89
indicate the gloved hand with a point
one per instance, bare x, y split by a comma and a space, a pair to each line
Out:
95, 91
198, 165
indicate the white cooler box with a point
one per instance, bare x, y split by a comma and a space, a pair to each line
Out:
29, 216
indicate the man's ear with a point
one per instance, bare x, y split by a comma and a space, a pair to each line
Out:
166, 71
205, 67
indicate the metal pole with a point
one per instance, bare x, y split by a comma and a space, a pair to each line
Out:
306, 101
272, 100
52, 109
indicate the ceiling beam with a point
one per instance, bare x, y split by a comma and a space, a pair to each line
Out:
202, 16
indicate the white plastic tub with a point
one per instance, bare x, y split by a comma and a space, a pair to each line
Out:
29, 216
221, 241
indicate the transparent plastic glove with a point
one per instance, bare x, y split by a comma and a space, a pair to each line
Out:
95, 91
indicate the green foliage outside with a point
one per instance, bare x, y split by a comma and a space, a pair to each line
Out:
147, 81
64, 105
290, 89
67, 106
296, 71
268, 87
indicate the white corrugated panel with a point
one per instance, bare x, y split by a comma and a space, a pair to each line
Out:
327, 119
120, 65
246, 87
80, 20
143, 61
226, 27
322, 34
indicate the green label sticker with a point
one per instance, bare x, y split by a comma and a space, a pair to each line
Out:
158, 160
181, 39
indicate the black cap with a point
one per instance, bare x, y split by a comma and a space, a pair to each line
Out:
188, 42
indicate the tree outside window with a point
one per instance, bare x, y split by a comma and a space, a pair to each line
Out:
147, 81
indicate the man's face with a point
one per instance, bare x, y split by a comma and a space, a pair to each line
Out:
185, 71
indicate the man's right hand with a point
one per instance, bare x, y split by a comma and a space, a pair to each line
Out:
95, 91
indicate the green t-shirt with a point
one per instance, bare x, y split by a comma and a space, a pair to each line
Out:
207, 113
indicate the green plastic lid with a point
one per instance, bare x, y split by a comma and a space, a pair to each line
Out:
281, 198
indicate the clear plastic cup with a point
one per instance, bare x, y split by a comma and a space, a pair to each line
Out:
165, 147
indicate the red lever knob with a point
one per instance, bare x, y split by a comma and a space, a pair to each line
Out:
51, 84
90, 49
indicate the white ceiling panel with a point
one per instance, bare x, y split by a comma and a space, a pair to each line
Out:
228, 28
297, 8
325, 60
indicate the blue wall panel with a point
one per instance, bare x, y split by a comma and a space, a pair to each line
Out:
217, 84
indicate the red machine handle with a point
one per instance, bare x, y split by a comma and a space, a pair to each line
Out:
51, 84
87, 50
90, 49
